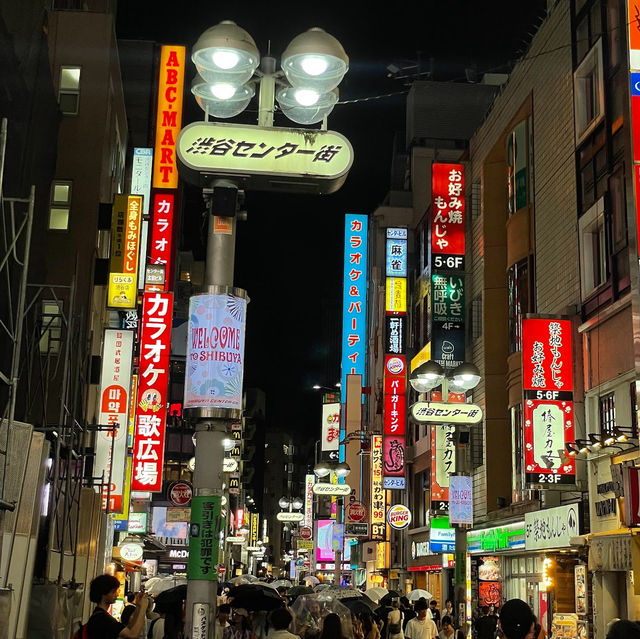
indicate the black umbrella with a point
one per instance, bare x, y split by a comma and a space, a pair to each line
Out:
359, 606
389, 597
170, 597
254, 597
296, 591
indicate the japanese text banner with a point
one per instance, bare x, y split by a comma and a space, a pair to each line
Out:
155, 346
447, 209
115, 381
354, 306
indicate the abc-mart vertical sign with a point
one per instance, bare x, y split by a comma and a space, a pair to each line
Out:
547, 383
169, 116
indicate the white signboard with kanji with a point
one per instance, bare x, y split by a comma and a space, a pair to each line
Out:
115, 383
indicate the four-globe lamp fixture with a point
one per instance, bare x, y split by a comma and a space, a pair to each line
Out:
227, 60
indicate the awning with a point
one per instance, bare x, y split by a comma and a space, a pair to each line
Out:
614, 550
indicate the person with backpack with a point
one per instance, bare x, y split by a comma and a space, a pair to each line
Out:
394, 621
103, 591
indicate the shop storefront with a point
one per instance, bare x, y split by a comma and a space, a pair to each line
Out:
614, 545
493, 551
428, 570
533, 560
562, 585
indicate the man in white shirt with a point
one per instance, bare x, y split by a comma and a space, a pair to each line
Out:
421, 627
280, 620
222, 620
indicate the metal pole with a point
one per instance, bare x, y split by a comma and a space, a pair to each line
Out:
211, 428
337, 575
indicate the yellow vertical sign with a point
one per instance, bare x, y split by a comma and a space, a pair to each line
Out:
377, 492
125, 248
124, 515
396, 295
169, 116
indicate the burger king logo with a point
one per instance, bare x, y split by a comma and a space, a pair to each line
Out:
395, 365
399, 517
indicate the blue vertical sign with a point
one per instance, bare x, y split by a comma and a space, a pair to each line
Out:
354, 304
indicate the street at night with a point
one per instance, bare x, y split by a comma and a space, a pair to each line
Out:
319, 322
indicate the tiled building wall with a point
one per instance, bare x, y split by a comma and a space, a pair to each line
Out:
545, 77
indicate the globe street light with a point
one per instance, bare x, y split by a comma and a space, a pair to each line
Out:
340, 471
227, 61
462, 379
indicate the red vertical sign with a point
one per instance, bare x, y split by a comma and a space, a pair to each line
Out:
161, 249
447, 209
547, 383
155, 346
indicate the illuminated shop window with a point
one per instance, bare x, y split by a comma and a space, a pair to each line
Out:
69, 91
59, 205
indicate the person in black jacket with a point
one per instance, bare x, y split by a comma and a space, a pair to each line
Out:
103, 591
486, 624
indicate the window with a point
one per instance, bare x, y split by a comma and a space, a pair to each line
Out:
59, 206
607, 413
594, 269
69, 91
51, 326
519, 165
589, 93
520, 301
517, 453
476, 318
634, 409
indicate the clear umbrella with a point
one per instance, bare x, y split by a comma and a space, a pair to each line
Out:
418, 593
164, 583
244, 579
281, 582
311, 580
376, 593
343, 593
310, 611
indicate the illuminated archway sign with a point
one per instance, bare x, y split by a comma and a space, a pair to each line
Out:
264, 158
332, 489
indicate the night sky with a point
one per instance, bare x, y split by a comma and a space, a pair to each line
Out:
289, 253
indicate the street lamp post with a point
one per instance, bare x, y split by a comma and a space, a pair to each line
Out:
340, 470
227, 60
462, 379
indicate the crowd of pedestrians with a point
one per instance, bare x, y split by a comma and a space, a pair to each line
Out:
398, 620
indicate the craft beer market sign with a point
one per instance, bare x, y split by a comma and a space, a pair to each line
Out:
264, 158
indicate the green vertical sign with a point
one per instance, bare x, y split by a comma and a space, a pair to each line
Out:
204, 537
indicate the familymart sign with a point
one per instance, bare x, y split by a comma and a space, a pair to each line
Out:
500, 538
